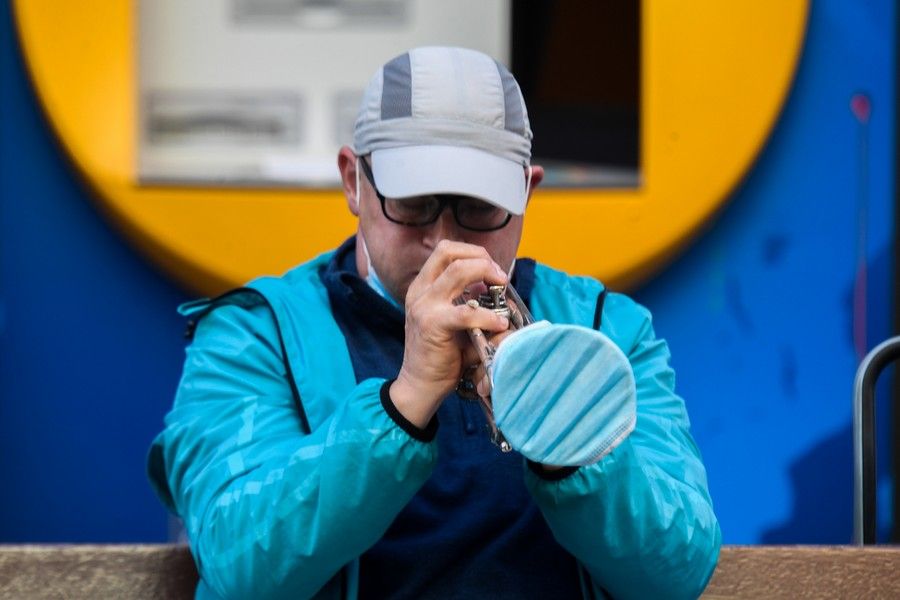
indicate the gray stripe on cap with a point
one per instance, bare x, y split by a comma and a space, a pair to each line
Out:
396, 92
515, 119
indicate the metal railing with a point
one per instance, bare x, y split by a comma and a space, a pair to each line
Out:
864, 480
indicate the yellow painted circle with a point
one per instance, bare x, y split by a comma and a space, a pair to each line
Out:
714, 77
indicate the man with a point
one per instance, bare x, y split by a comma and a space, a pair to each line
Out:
304, 450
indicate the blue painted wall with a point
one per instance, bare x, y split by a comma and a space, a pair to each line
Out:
89, 344
758, 313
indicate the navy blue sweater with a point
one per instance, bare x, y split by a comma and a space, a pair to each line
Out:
473, 529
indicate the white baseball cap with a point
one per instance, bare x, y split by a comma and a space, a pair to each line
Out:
440, 120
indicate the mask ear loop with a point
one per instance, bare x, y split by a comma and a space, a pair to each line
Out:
360, 235
357, 182
362, 240
512, 267
527, 185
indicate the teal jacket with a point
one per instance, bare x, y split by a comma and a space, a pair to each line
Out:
285, 471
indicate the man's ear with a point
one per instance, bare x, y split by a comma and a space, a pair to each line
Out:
537, 176
347, 167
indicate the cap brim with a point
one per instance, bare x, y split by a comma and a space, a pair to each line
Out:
419, 170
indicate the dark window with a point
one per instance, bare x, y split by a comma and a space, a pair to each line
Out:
578, 62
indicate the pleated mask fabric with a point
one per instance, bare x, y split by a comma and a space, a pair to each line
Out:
562, 394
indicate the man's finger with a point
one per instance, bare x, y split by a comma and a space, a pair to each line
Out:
462, 317
445, 253
464, 272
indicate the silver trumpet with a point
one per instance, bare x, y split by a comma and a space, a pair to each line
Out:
505, 301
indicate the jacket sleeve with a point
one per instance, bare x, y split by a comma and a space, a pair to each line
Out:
641, 520
269, 510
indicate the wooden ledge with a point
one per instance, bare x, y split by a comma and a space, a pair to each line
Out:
44, 572
806, 572
167, 571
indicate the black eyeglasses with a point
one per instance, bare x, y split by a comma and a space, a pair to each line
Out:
470, 213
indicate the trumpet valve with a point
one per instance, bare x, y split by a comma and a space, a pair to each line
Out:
495, 300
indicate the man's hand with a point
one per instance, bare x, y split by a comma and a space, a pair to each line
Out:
435, 327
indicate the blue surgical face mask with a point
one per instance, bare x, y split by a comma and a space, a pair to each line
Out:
563, 394
371, 275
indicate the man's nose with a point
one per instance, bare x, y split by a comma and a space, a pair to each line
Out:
445, 228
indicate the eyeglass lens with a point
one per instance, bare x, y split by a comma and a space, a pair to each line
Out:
469, 212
